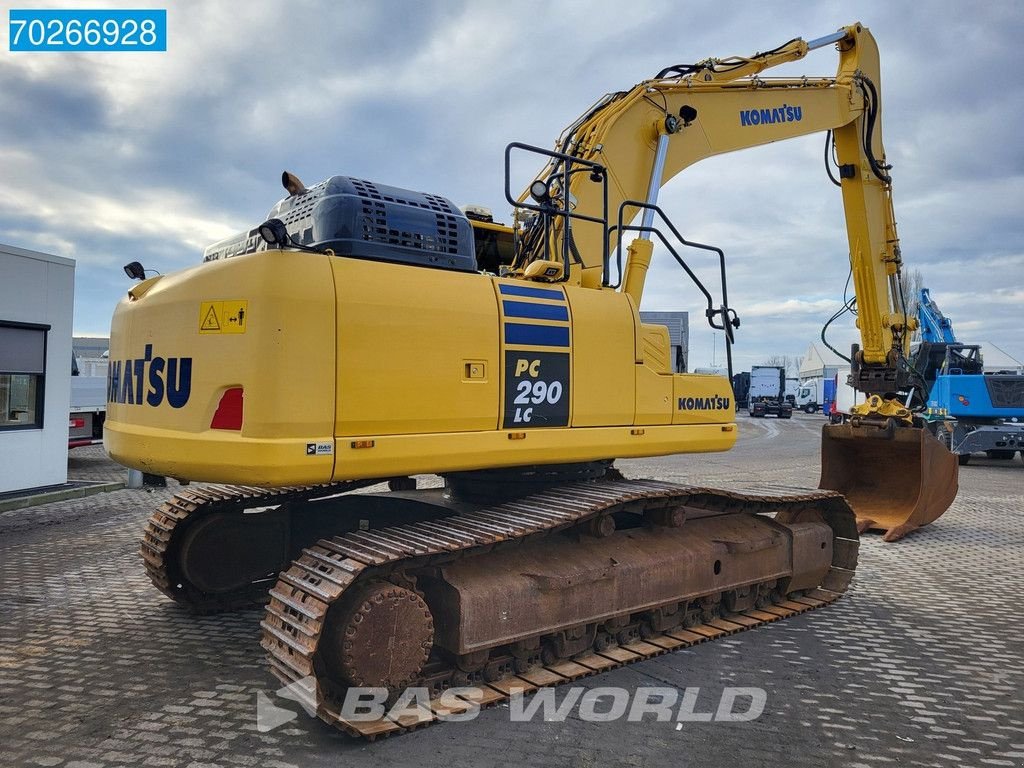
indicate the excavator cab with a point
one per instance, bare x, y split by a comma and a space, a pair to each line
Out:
494, 243
896, 478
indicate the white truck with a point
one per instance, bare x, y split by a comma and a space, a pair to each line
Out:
846, 396
768, 392
792, 385
88, 407
810, 397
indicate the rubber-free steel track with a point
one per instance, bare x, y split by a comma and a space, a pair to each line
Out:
166, 525
299, 602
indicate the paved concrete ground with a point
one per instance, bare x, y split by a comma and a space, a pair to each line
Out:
920, 664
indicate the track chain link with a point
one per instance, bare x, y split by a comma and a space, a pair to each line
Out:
299, 602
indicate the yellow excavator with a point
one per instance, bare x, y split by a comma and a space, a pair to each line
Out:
366, 333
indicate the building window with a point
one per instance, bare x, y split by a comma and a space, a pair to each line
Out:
22, 375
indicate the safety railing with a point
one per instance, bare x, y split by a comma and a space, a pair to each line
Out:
729, 320
552, 199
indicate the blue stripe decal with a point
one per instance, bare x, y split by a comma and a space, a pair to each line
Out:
533, 293
536, 311
536, 335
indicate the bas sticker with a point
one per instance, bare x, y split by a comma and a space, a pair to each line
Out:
319, 449
223, 316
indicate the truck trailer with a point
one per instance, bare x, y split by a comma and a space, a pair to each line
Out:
768, 392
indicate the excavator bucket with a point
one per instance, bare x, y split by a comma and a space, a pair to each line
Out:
895, 480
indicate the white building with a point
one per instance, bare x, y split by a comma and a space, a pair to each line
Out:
36, 302
91, 355
820, 362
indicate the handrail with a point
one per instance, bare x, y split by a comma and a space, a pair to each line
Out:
548, 209
730, 320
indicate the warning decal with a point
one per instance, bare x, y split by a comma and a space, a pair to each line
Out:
229, 316
210, 321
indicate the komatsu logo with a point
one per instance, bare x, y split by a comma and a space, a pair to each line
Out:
150, 380
783, 114
716, 403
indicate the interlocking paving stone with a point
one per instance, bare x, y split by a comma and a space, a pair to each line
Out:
920, 664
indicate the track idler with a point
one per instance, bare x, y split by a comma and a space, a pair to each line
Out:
380, 637
895, 478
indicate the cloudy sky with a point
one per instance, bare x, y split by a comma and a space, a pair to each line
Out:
109, 158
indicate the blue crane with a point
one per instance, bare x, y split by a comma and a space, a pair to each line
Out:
935, 326
969, 410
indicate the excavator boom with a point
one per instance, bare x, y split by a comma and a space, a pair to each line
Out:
896, 476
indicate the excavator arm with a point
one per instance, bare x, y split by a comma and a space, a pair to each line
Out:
643, 137
633, 142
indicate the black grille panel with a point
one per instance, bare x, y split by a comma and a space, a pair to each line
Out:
360, 219
1006, 391
378, 226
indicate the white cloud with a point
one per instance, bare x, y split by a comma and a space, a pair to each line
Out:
160, 154
159, 214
